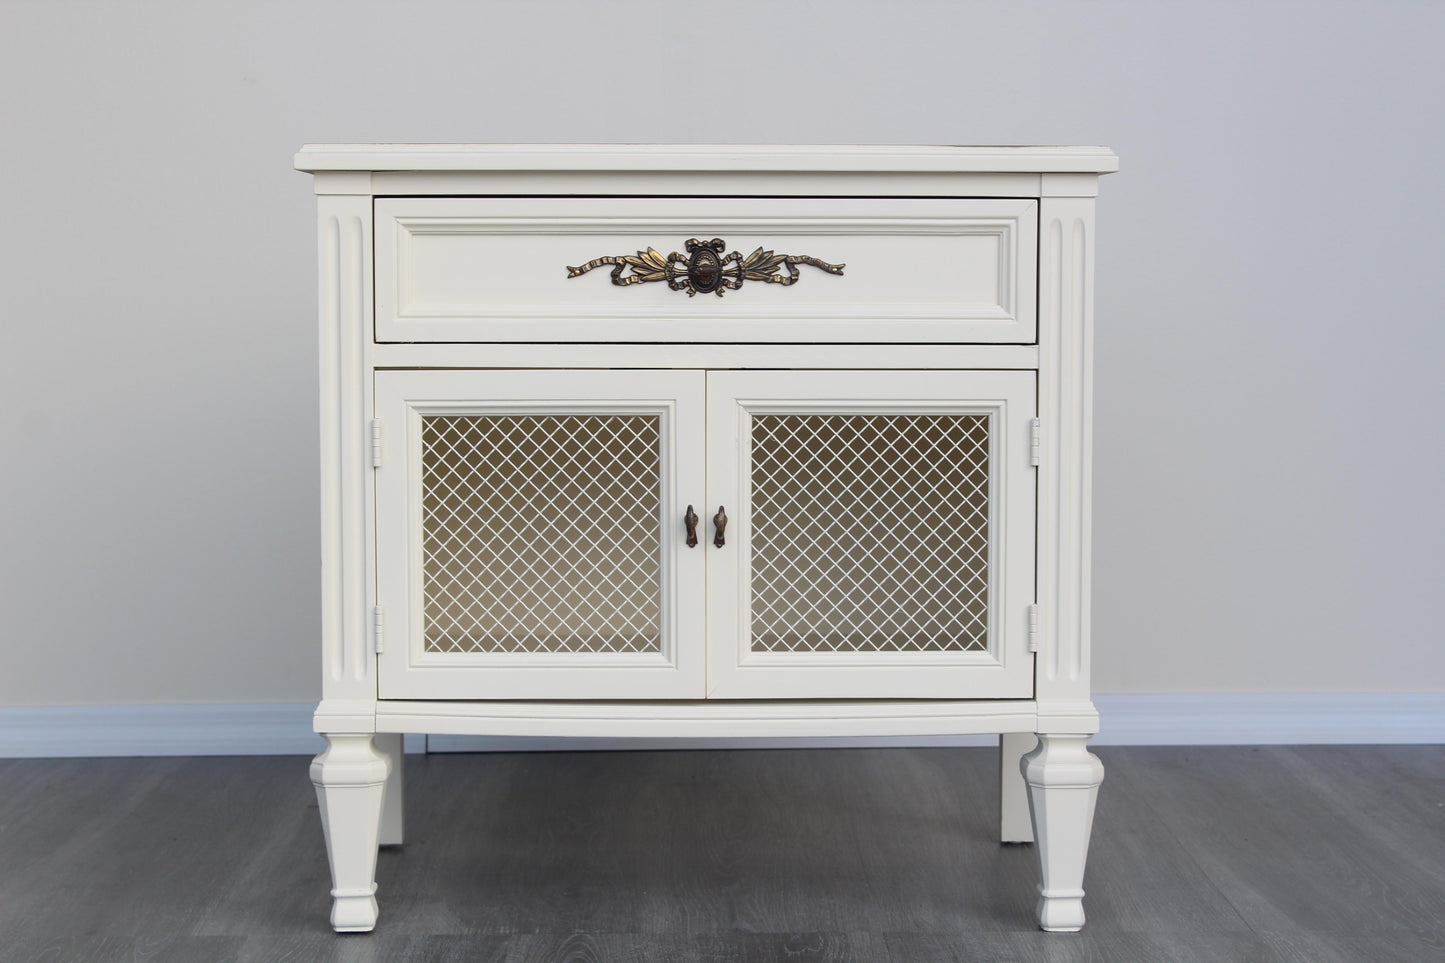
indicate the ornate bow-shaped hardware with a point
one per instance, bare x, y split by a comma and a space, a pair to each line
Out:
691, 520
720, 522
705, 267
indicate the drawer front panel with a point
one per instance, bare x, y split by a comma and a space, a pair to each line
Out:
789, 270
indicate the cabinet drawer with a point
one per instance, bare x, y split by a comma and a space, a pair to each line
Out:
457, 269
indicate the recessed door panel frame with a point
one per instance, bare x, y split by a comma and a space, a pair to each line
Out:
407, 669
1005, 668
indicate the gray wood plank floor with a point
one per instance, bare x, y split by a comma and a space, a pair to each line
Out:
1312, 854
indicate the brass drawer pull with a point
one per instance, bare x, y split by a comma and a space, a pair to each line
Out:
720, 522
705, 267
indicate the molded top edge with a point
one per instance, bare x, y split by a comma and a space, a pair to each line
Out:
703, 157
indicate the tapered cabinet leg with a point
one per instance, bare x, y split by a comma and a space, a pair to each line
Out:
1014, 823
350, 779
1063, 780
389, 744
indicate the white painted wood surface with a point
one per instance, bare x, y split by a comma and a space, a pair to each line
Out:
350, 779
407, 670
466, 270
1066, 404
344, 229
702, 718
1063, 779
460, 269
737, 183
393, 811
1015, 826
1005, 670
708, 356
666, 158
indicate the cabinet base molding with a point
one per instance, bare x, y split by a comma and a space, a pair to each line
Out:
782, 720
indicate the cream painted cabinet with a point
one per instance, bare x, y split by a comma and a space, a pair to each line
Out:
800, 449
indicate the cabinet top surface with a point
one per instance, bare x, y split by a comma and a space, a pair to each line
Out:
703, 157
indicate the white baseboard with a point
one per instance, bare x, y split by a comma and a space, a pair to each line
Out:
1335, 718
242, 729
1128, 720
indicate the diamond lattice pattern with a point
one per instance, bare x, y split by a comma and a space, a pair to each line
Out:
870, 533
541, 533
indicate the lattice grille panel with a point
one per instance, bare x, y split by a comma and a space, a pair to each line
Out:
540, 533
870, 533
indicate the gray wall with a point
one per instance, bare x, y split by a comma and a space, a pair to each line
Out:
1270, 328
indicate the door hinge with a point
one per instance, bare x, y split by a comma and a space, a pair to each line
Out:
378, 629
1033, 627
1035, 442
376, 443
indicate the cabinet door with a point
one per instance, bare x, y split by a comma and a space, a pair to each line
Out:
530, 534
880, 534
